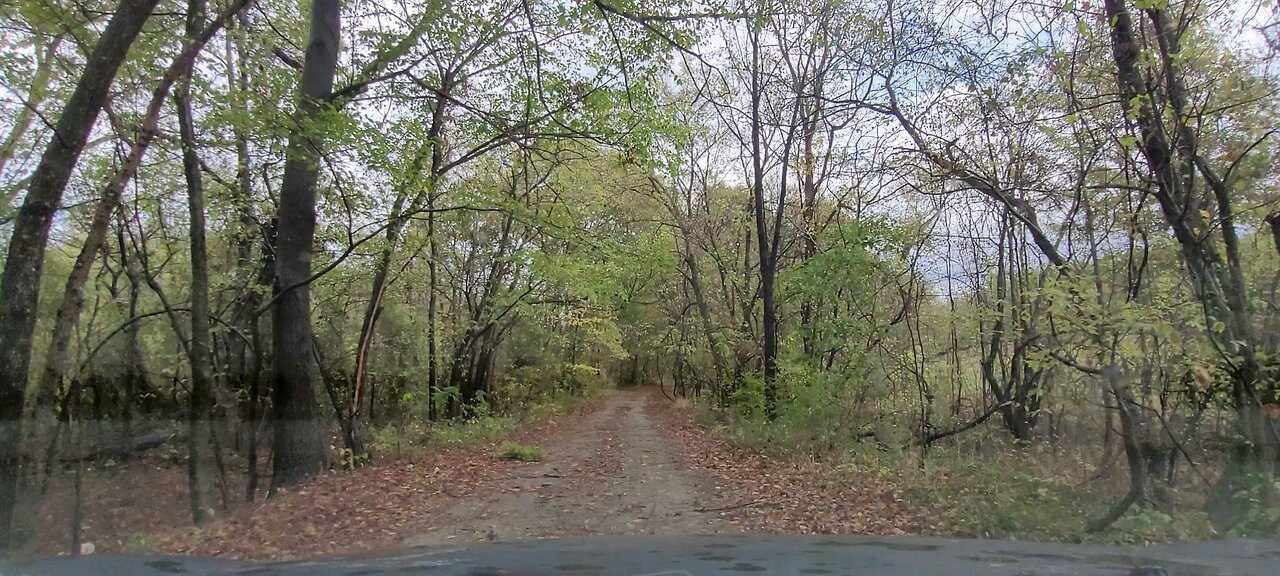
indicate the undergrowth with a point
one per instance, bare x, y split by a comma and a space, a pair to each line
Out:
1017, 496
417, 437
982, 485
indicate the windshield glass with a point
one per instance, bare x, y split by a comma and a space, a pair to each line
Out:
289, 280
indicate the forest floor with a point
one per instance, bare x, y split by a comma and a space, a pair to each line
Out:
629, 462
764, 493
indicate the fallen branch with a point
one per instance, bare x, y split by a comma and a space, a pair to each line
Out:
930, 439
1117, 511
874, 436
733, 507
122, 449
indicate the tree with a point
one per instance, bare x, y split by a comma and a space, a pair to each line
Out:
200, 443
299, 452
19, 285
1162, 115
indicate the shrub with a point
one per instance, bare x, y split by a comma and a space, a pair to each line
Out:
748, 396
816, 417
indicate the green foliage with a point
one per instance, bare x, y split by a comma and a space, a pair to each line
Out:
816, 419
1001, 495
510, 450
748, 397
396, 441
500, 416
1261, 513
445, 395
416, 439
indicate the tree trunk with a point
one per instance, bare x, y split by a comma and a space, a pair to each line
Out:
461, 372
364, 342
255, 384
810, 216
199, 443
704, 311
20, 283
134, 372
433, 355
247, 359
399, 217
73, 291
72, 301
1133, 453
769, 326
298, 449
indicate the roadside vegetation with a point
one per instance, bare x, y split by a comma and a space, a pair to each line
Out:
416, 436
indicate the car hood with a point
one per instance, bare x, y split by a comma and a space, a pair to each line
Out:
722, 555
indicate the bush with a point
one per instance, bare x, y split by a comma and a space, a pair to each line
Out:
817, 417
748, 396
398, 440
1009, 491
516, 451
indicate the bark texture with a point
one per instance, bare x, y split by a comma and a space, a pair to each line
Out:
298, 450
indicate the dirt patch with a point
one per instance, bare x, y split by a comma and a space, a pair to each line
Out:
374, 507
613, 473
147, 493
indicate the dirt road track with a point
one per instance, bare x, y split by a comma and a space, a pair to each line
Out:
610, 474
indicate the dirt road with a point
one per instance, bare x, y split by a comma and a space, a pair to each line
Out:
610, 474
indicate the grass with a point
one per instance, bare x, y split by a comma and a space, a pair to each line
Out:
1005, 499
415, 439
474, 431
509, 450
1042, 494
981, 485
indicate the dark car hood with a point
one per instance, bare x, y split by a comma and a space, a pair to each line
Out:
723, 555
